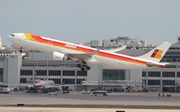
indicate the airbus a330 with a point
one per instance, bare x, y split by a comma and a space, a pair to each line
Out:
61, 51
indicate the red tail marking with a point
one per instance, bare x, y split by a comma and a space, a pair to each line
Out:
154, 53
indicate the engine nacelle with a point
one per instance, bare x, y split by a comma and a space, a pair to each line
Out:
59, 56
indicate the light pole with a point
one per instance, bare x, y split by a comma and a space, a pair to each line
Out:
35, 74
47, 68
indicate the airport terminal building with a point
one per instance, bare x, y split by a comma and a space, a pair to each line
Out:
16, 68
19, 69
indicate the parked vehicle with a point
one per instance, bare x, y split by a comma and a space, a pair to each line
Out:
117, 90
83, 92
52, 93
65, 92
15, 90
86, 92
109, 90
4, 90
145, 90
99, 93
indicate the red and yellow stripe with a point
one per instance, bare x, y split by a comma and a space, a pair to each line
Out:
157, 54
86, 50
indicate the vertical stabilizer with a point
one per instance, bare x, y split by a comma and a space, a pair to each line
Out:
157, 53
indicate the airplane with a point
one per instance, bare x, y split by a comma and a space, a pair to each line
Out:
42, 85
62, 51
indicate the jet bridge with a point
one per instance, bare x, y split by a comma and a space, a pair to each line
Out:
127, 85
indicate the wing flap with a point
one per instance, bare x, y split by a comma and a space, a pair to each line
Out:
84, 56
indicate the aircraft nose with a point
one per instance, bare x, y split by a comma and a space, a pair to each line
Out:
10, 37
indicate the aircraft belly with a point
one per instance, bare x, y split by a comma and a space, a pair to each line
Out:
17, 43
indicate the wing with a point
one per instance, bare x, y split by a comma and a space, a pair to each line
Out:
51, 86
26, 85
22, 84
87, 56
116, 49
84, 56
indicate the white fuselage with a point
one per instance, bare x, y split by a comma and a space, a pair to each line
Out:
105, 61
42, 84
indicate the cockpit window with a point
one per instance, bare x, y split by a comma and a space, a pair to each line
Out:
12, 35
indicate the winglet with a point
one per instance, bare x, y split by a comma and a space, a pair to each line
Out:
117, 49
157, 53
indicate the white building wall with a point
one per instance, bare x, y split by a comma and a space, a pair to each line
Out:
95, 74
87, 43
135, 74
127, 74
12, 66
161, 78
1, 64
94, 42
5, 70
40, 56
107, 43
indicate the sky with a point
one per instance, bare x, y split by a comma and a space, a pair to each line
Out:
81, 20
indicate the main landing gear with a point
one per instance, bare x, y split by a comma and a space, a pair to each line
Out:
83, 65
20, 50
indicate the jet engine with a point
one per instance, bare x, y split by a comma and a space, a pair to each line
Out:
59, 56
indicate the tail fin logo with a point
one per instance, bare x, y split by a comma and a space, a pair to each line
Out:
157, 54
